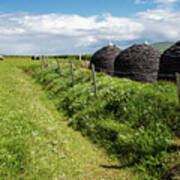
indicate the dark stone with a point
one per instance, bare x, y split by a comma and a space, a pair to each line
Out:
138, 62
104, 59
35, 57
170, 63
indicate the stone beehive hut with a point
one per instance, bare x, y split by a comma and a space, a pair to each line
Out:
170, 63
1, 58
104, 59
139, 63
35, 57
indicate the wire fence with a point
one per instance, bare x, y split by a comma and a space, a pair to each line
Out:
135, 72
45, 63
115, 72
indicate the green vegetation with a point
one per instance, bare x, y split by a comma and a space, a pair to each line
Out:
137, 123
35, 141
63, 56
162, 46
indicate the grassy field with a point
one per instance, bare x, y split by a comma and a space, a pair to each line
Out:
137, 123
35, 141
162, 46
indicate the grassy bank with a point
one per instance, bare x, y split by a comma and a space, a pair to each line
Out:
35, 141
137, 123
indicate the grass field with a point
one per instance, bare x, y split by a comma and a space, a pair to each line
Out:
136, 124
35, 141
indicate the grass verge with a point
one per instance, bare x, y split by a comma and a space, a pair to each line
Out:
35, 142
137, 123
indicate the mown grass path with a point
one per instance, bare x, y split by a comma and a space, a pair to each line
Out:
35, 141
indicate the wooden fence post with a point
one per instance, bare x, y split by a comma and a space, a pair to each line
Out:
94, 80
72, 73
42, 62
178, 85
58, 66
80, 57
47, 63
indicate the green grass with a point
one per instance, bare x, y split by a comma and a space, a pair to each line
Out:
35, 141
137, 123
162, 46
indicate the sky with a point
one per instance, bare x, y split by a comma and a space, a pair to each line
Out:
84, 26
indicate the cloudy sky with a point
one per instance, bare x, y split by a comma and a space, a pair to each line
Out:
82, 26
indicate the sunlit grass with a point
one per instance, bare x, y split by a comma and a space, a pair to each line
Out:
35, 142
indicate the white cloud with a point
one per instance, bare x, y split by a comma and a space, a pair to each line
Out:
141, 1
62, 33
160, 24
156, 1
166, 1
58, 33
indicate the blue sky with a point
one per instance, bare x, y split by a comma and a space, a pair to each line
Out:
83, 26
81, 7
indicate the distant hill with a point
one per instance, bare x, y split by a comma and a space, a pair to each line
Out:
162, 46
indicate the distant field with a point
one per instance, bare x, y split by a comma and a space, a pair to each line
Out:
162, 46
72, 57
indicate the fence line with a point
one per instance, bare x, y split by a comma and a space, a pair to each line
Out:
47, 63
138, 73
101, 69
93, 68
94, 80
72, 73
58, 66
178, 85
42, 62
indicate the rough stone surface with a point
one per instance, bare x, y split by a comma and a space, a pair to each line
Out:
170, 63
139, 63
104, 59
35, 57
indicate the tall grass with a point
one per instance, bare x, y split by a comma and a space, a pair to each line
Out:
135, 122
35, 141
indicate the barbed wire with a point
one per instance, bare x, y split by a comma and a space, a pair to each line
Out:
136, 73
114, 73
